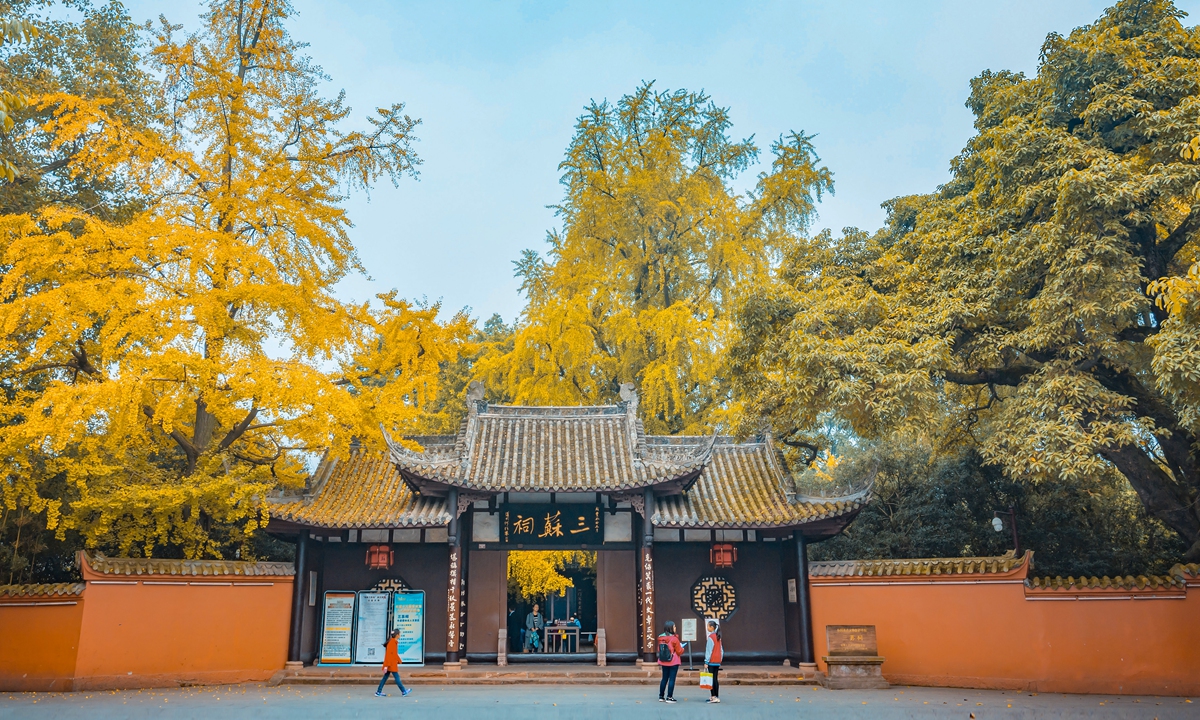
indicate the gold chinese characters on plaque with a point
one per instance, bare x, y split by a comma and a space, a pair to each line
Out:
851, 640
552, 524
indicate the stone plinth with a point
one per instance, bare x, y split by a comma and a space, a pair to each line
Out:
851, 672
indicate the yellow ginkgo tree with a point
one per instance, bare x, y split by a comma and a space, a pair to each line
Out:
175, 368
655, 242
534, 574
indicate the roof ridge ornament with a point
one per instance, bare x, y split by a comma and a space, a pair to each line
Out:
629, 403
629, 396
476, 391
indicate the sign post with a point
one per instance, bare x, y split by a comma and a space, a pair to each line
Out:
689, 636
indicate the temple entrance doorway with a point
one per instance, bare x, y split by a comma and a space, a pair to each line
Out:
562, 584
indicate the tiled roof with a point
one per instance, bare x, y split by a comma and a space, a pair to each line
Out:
551, 449
42, 590
1176, 578
363, 491
1002, 564
703, 482
1187, 570
744, 486
154, 566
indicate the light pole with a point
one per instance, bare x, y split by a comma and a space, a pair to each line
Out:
998, 526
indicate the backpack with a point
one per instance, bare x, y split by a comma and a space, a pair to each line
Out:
664, 649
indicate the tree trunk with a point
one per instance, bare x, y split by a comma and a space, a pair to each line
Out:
1172, 502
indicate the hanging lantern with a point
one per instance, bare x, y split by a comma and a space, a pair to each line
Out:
379, 557
723, 555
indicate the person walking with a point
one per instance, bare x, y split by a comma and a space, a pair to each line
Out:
670, 655
714, 653
391, 665
534, 622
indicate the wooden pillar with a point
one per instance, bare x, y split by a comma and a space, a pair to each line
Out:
454, 588
807, 653
298, 592
648, 634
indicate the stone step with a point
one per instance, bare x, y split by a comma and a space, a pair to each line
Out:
492, 675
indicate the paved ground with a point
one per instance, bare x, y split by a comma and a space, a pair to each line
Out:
578, 702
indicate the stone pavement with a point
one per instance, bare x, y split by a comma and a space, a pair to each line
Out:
578, 702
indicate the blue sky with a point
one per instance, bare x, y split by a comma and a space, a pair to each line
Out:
498, 86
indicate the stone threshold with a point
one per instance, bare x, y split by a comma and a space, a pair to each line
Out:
539, 675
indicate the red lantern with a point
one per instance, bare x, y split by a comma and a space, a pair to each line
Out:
379, 557
723, 555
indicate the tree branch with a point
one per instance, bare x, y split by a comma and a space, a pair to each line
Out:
238, 430
988, 376
180, 439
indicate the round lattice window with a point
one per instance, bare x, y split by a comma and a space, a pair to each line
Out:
714, 596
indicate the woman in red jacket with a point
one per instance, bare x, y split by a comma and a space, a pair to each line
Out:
670, 655
391, 665
714, 653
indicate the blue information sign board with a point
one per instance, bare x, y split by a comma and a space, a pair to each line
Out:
408, 616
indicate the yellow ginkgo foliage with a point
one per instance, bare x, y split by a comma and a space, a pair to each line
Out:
169, 371
655, 243
538, 573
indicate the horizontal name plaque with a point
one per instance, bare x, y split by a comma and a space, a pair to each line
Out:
551, 524
851, 640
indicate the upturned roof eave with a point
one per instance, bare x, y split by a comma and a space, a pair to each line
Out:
435, 486
819, 527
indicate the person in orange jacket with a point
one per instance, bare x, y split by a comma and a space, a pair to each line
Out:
391, 665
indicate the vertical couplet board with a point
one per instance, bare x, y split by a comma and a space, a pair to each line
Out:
454, 599
649, 635
337, 627
371, 627
408, 616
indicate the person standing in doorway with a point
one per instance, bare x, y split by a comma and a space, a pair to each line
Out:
714, 653
391, 665
534, 622
670, 655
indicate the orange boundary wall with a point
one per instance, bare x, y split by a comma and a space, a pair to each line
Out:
39, 638
981, 629
993, 630
146, 630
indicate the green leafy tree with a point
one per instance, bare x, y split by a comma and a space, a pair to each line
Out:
93, 52
928, 504
1015, 307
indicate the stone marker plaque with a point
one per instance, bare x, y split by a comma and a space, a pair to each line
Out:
851, 640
